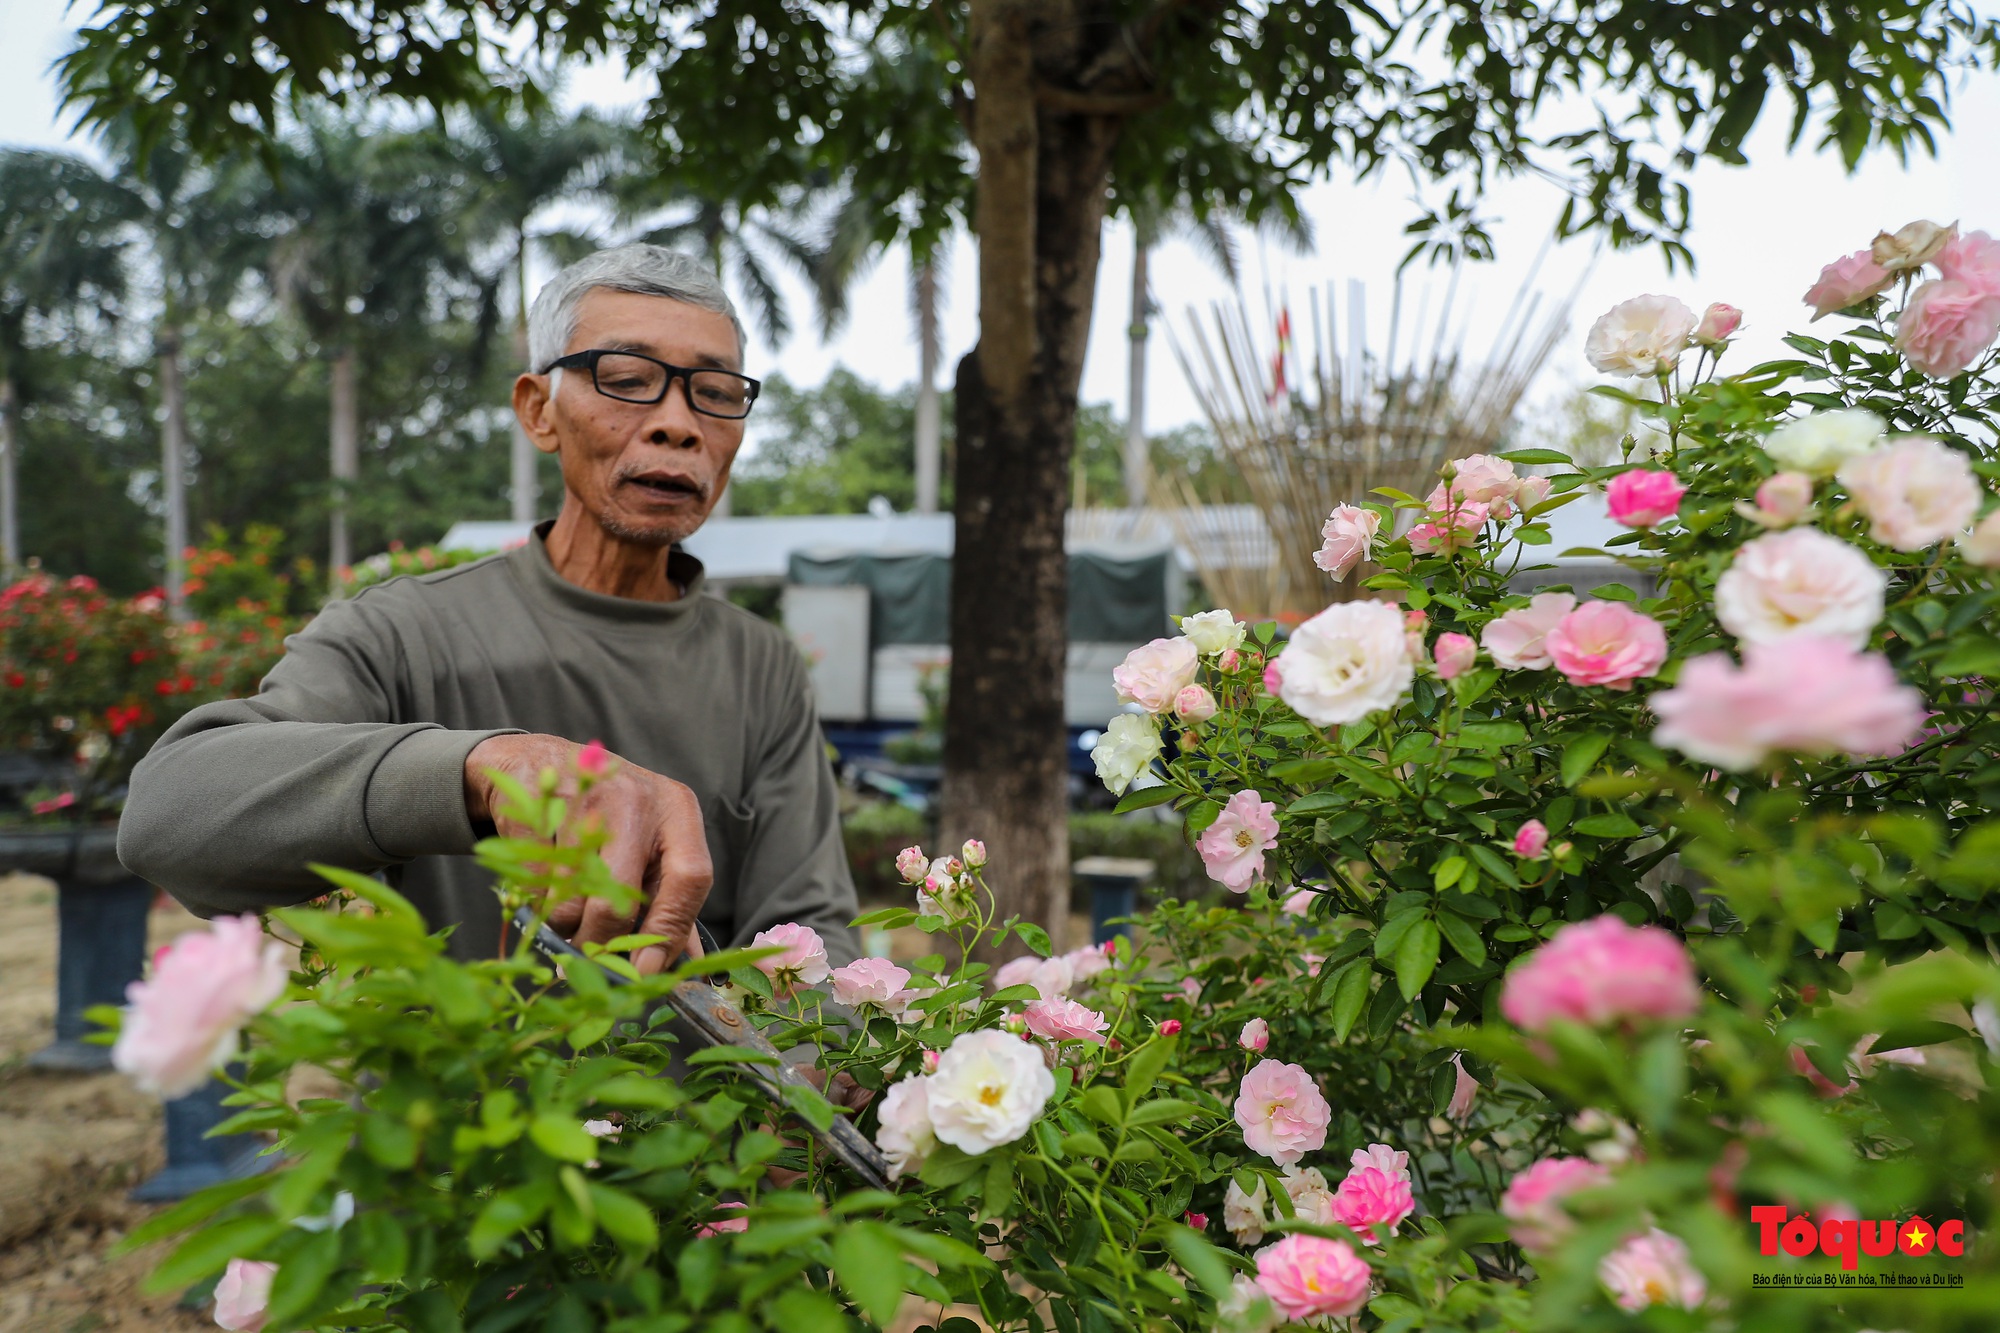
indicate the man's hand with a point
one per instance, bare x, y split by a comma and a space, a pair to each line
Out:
656, 841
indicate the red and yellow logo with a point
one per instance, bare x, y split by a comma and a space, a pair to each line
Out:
1847, 1240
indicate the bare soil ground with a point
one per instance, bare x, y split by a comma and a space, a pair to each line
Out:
70, 1147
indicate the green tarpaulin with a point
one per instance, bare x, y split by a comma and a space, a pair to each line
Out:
1110, 601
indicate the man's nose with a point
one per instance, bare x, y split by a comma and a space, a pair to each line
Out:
673, 422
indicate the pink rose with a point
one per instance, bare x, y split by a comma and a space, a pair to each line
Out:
1600, 972
1273, 682
1916, 492
974, 852
1531, 492
1281, 1112
1643, 497
1653, 1269
1533, 1201
1447, 532
1531, 840
1846, 282
1800, 581
1717, 323
243, 1294
1170, 1028
912, 865
1482, 479
1310, 1277
1607, 643
1051, 977
802, 962
182, 1023
1195, 1221
1464, 1091
1256, 1035
593, 760
1232, 848
1782, 500
1151, 676
1194, 704
1346, 539
1230, 660
1803, 695
1381, 1157
1454, 655
875, 981
1946, 325
1518, 639
1064, 1020
728, 1224
1973, 260
1369, 1198
1086, 962
1299, 903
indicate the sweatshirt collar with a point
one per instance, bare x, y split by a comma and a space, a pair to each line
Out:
538, 574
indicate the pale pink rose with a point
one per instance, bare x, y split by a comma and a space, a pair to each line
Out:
1051, 977
243, 1294
1464, 1091
1232, 848
593, 760
1299, 903
1846, 282
1152, 675
1448, 532
1644, 497
912, 865
1642, 336
1311, 1196
1946, 325
1911, 246
603, 1129
1915, 492
1346, 539
1345, 663
1518, 639
875, 981
1531, 492
1281, 1111
181, 1024
1483, 479
1607, 643
1800, 581
1088, 961
1194, 704
1864, 1058
1454, 655
1981, 546
802, 962
1368, 1198
931, 1059
1531, 839
1310, 1277
728, 1225
1246, 1216
1653, 1269
1600, 972
1229, 660
1782, 500
1803, 695
1972, 259
974, 852
1191, 990
1381, 1157
1273, 681
1717, 323
1065, 1020
1533, 1201
1255, 1037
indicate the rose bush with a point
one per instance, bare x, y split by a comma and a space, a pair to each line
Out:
1554, 933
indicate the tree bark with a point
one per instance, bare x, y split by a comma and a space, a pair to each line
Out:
928, 424
173, 467
523, 489
344, 441
10, 477
1040, 209
1138, 466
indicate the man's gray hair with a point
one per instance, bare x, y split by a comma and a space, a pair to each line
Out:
649, 270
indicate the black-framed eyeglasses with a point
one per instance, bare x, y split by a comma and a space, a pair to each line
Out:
630, 377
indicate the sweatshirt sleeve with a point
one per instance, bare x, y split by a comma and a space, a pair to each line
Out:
239, 796
794, 866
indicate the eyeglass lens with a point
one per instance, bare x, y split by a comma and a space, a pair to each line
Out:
638, 379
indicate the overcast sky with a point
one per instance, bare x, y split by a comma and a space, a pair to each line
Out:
1760, 236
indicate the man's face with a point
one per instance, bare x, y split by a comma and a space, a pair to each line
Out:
648, 473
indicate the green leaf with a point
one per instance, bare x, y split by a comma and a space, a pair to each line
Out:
1491, 735
301, 1277
1350, 995
889, 918
1494, 864
1203, 1262
562, 1137
869, 1264
800, 1309
1161, 1111
209, 1250
1416, 958
188, 1212
624, 1218
1535, 456
1101, 1104
1613, 825
1144, 1067
1446, 872
1581, 755
1463, 937
1034, 937
1144, 798
731, 1055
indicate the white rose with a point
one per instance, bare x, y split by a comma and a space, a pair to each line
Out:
1213, 632
1129, 745
989, 1087
1981, 546
1642, 336
1246, 1215
905, 1135
1800, 581
1915, 492
1910, 246
1311, 1196
1818, 444
1246, 1309
1348, 661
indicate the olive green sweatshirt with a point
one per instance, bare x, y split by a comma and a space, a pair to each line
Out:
353, 751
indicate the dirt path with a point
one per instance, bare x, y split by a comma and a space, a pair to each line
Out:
73, 1146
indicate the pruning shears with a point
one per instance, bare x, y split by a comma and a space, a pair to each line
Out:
716, 1022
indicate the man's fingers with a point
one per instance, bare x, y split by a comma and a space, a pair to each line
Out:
654, 958
566, 916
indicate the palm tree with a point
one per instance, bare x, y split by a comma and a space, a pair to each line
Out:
63, 237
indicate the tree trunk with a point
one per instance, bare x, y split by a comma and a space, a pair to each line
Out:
344, 440
523, 489
1039, 212
173, 467
10, 512
928, 424
1138, 466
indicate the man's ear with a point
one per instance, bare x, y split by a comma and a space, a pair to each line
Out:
534, 406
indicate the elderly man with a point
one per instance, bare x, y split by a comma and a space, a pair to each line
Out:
371, 744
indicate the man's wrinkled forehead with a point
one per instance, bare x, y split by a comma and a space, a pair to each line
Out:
655, 326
